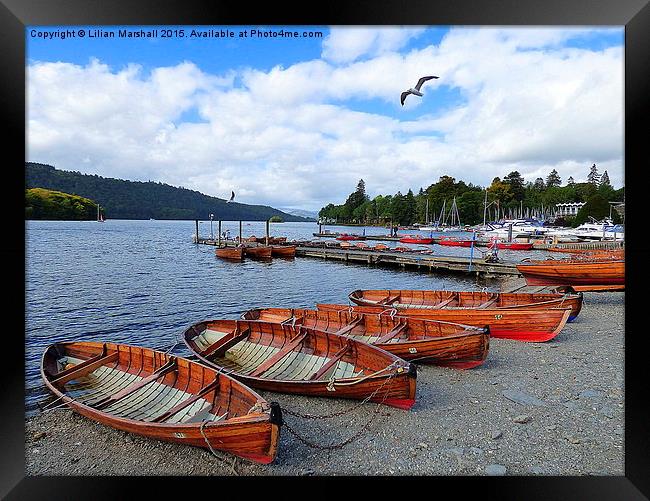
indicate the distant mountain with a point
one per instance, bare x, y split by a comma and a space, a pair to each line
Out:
300, 212
121, 199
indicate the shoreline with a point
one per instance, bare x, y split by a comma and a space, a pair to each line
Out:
554, 408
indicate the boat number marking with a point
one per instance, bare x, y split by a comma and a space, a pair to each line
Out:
498, 317
179, 435
413, 350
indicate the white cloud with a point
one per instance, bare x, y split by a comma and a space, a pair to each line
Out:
287, 137
344, 45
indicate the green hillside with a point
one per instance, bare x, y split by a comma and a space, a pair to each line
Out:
121, 199
55, 205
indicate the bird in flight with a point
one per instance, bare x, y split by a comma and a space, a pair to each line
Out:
415, 91
232, 197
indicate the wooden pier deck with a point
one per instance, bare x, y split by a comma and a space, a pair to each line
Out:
423, 262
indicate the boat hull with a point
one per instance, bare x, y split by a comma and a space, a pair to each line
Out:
441, 343
283, 250
455, 243
232, 253
252, 436
529, 325
259, 252
311, 362
447, 300
574, 273
407, 240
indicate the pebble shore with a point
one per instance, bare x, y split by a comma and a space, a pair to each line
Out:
554, 408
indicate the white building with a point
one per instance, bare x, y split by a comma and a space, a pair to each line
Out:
568, 209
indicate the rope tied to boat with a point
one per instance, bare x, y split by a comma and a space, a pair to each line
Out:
214, 453
350, 439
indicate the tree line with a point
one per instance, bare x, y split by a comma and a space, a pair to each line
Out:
507, 197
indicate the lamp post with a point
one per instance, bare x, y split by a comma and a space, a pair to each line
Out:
211, 234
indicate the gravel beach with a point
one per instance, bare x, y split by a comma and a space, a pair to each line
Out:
554, 408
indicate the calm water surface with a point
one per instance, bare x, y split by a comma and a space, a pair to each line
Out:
143, 282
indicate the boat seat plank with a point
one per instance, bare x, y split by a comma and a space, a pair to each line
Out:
392, 333
488, 303
330, 363
84, 368
388, 299
214, 385
349, 327
227, 342
285, 350
171, 365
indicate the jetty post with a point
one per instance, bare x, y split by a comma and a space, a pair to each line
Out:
196, 221
268, 226
219, 237
240, 226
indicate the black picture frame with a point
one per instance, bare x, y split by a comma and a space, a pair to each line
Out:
15, 15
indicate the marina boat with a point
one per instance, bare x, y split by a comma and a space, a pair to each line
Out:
529, 325
441, 343
516, 228
283, 250
151, 393
233, 253
346, 237
259, 252
442, 299
510, 245
297, 359
580, 274
455, 242
415, 239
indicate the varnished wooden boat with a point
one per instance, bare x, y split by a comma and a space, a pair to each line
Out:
161, 396
259, 252
296, 359
283, 250
441, 299
440, 343
601, 274
528, 325
234, 253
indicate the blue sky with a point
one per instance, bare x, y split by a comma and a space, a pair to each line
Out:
213, 114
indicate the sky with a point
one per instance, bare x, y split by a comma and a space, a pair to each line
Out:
296, 121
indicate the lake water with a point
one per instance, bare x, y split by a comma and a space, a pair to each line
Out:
143, 282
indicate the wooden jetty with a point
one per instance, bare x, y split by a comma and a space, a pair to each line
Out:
422, 262
592, 245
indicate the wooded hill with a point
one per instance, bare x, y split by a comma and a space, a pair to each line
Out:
121, 199
55, 206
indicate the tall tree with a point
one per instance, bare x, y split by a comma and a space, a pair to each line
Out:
593, 177
604, 179
539, 184
570, 181
553, 179
516, 182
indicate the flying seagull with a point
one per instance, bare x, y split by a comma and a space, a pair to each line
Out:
232, 197
416, 90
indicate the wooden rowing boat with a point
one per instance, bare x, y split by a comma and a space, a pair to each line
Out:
441, 299
528, 325
234, 253
297, 359
440, 343
259, 252
283, 250
593, 275
151, 393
